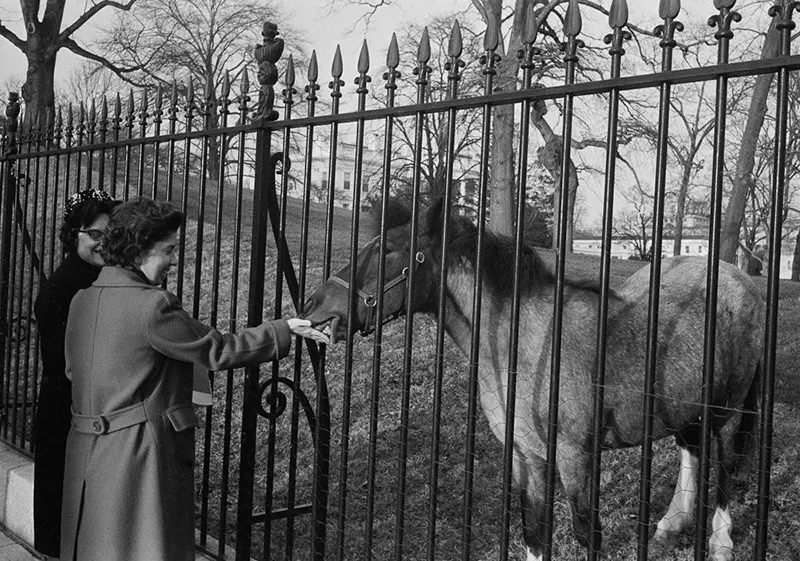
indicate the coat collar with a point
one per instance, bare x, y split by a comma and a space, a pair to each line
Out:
120, 276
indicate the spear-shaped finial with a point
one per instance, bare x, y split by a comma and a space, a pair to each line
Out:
617, 19
424, 48
392, 61
289, 78
363, 67
313, 75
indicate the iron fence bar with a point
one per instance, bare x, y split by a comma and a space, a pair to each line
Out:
187, 162
56, 183
390, 76
173, 120
618, 19
8, 179
668, 43
201, 203
322, 430
215, 285
31, 295
422, 71
277, 215
142, 134
89, 152
115, 128
572, 28
723, 35
294, 417
128, 157
80, 127
525, 57
101, 164
489, 60
233, 314
26, 242
453, 67
785, 26
311, 100
156, 122
265, 178
361, 81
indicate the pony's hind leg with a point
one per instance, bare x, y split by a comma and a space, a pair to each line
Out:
720, 544
680, 514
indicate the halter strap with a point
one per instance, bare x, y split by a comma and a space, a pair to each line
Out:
370, 302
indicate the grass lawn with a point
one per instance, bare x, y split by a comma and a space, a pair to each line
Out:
621, 469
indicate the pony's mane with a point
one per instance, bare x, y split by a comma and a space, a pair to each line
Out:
498, 267
498, 251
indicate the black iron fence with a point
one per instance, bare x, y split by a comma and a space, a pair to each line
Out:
391, 460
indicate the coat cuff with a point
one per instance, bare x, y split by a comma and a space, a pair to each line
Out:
282, 336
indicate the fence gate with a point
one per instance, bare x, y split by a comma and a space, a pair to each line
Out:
375, 448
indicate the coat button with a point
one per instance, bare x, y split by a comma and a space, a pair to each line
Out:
97, 426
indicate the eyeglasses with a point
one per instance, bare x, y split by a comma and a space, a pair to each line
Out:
95, 235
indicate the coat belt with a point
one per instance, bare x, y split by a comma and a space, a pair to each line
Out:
109, 422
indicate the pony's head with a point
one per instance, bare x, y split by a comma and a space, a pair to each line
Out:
327, 308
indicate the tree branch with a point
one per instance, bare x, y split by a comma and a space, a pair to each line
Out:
12, 38
80, 51
87, 15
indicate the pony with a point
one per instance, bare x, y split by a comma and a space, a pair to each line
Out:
679, 361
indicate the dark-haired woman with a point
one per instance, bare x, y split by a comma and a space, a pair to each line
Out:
85, 218
130, 347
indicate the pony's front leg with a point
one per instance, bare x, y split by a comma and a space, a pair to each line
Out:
680, 514
529, 476
574, 466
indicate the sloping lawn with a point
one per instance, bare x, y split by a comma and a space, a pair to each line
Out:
621, 469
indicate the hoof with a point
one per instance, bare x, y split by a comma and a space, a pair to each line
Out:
717, 552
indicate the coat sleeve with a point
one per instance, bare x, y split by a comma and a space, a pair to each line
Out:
174, 333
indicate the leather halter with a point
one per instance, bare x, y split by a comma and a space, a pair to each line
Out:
371, 302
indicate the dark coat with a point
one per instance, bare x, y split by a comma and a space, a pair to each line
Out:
128, 493
53, 416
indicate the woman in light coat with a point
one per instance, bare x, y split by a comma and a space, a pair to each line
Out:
130, 349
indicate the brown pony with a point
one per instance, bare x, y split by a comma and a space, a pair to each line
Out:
679, 363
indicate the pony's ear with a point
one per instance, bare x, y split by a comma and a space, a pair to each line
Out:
397, 214
434, 217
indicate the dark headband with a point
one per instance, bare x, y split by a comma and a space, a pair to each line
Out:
82, 197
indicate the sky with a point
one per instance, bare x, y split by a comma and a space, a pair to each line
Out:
325, 28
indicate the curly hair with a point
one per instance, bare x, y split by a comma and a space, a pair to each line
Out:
135, 226
80, 216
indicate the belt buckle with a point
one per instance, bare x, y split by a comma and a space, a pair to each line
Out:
100, 425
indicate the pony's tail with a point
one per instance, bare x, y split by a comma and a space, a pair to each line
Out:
744, 441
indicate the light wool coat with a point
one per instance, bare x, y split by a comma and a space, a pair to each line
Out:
128, 494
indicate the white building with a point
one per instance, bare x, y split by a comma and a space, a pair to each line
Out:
624, 249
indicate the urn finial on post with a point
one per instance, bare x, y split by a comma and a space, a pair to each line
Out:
267, 54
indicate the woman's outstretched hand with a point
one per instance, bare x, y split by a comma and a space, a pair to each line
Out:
303, 328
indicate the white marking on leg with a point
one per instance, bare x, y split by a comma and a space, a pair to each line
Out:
680, 513
721, 545
531, 556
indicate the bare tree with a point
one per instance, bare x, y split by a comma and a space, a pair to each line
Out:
44, 38
198, 40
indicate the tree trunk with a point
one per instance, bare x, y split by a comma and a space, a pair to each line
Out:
796, 259
680, 208
502, 180
743, 180
550, 155
501, 208
38, 91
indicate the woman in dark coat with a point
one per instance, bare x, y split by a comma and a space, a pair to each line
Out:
85, 219
130, 350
